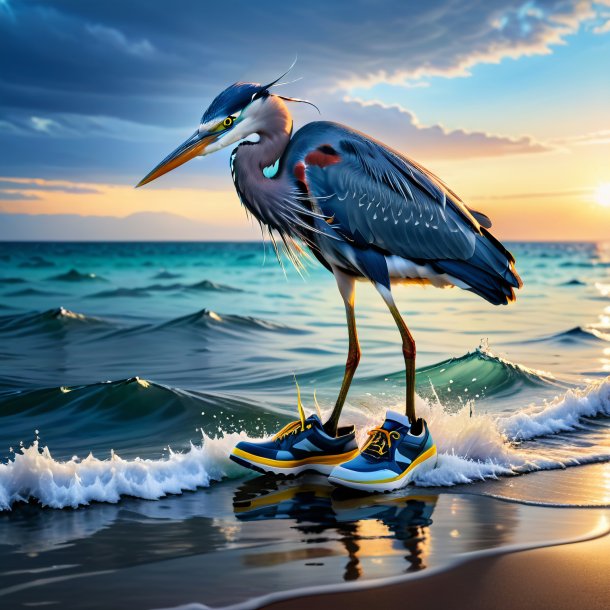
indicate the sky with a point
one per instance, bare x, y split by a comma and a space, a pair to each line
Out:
508, 102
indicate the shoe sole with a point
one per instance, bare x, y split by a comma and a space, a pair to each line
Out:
424, 463
321, 464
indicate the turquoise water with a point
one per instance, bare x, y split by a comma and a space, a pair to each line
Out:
220, 331
129, 370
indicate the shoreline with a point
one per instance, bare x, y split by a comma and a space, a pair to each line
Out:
563, 576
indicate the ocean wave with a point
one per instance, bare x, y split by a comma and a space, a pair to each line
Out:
113, 403
477, 447
471, 447
145, 291
477, 374
166, 275
74, 275
33, 474
49, 320
563, 414
60, 318
120, 292
36, 262
575, 335
12, 280
32, 292
206, 318
207, 285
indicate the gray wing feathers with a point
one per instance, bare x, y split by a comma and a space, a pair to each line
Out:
481, 218
377, 197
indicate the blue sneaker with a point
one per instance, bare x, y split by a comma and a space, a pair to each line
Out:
299, 446
392, 456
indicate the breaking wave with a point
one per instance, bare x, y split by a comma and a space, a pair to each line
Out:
471, 447
33, 474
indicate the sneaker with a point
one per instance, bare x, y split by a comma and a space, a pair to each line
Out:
391, 458
299, 446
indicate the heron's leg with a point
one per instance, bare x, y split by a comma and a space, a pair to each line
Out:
347, 288
408, 349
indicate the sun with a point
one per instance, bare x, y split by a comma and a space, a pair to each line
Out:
602, 194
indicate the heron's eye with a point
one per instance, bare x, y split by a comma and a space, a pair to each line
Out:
225, 124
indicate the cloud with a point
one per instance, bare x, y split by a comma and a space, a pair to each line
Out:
400, 129
42, 124
602, 28
540, 195
595, 138
37, 184
460, 40
602, 24
71, 126
8, 127
98, 90
16, 196
167, 57
115, 38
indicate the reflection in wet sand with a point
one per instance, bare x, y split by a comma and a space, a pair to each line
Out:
266, 534
367, 527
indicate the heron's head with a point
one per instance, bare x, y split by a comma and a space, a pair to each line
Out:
238, 112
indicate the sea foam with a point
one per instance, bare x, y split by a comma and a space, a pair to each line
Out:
33, 474
471, 447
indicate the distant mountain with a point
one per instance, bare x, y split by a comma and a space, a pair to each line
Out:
141, 226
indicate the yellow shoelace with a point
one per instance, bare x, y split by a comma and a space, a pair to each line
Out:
295, 427
380, 440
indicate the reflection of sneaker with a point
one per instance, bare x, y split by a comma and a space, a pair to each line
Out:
307, 497
393, 511
299, 446
391, 458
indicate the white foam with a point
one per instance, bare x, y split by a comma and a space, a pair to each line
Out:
34, 474
470, 448
563, 414
482, 446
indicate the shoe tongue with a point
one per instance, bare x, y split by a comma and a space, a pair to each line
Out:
395, 420
313, 418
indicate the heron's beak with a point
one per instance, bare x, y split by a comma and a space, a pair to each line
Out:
189, 149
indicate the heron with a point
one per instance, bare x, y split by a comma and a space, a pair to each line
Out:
364, 210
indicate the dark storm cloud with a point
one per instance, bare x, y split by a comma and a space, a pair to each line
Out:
70, 67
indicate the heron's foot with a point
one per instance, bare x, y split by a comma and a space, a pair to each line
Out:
394, 455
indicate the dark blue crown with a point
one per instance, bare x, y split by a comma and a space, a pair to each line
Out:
232, 100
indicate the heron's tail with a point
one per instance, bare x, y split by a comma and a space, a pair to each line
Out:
490, 272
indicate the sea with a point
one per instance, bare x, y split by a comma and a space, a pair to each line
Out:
129, 370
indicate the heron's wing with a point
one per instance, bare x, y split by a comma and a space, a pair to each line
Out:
482, 219
373, 195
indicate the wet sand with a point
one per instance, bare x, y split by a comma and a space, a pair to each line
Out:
564, 577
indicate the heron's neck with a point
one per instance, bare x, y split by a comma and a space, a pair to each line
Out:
264, 196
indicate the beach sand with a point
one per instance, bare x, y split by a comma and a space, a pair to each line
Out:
564, 577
